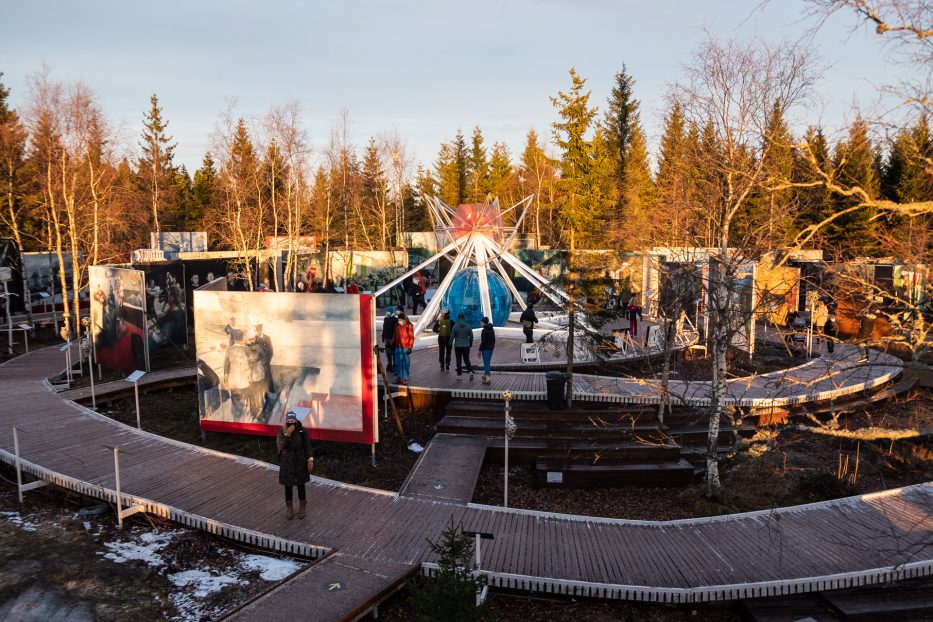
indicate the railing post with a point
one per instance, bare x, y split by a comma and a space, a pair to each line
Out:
20, 486
19, 472
116, 470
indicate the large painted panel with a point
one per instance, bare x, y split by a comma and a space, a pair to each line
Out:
263, 354
179, 241
166, 305
118, 318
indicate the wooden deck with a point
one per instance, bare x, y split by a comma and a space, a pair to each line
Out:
829, 545
338, 588
447, 470
827, 377
117, 389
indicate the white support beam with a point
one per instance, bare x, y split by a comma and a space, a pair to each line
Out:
430, 312
555, 294
508, 281
480, 252
420, 266
518, 223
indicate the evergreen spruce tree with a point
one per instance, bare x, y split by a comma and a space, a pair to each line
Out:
201, 192
450, 595
809, 194
417, 217
582, 209
500, 169
634, 229
674, 179
770, 216
478, 174
183, 191
374, 190
619, 122
451, 169
854, 161
155, 168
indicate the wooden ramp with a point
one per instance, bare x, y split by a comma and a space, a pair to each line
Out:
447, 470
339, 588
118, 389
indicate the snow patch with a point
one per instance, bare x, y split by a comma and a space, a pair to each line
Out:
270, 568
14, 518
202, 581
146, 548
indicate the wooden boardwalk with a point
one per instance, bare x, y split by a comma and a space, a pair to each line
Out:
337, 588
827, 377
834, 544
447, 470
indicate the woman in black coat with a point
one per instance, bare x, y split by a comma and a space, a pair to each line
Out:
294, 462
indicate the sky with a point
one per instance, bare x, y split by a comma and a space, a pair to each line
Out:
420, 68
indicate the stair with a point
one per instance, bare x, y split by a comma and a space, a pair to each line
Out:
558, 473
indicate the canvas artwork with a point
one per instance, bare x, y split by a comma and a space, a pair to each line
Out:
10, 258
118, 318
179, 241
42, 277
263, 354
166, 304
200, 272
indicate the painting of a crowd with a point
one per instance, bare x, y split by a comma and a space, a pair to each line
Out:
166, 305
118, 318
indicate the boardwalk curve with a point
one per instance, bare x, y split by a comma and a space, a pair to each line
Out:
827, 545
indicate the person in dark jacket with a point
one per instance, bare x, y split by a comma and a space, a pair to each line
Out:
462, 336
294, 462
528, 320
865, 330
388, 337
487, 343
442, 327
829, 331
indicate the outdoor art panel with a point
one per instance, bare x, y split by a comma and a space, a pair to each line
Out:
263, 354
166, 305
118, 318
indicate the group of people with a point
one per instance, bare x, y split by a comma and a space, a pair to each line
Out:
398, 338
822, 323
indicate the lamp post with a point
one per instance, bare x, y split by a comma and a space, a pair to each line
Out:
510, 428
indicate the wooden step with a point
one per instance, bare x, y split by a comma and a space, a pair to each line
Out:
556, 473
493, 426
895, 602
527, 451
786, 608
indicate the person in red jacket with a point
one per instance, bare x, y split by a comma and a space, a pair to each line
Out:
404, 342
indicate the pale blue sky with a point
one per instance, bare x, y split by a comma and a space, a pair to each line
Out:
419, 67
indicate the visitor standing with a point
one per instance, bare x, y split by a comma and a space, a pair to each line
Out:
820, 315
528, 320
829, 331
295, 462
487, 343
634, 310
404, 342
419, 290
865, 330
389, 322
442, 327
462, 336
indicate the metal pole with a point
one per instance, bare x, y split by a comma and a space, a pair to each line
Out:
116, 470
90, 369
374, 454
136, 391
9, 319
478, 557
26, 339
505, 500
68, 364
19, 473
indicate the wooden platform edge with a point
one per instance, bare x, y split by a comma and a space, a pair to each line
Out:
764, 589
209, 525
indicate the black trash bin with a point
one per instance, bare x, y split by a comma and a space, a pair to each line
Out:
556, 385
